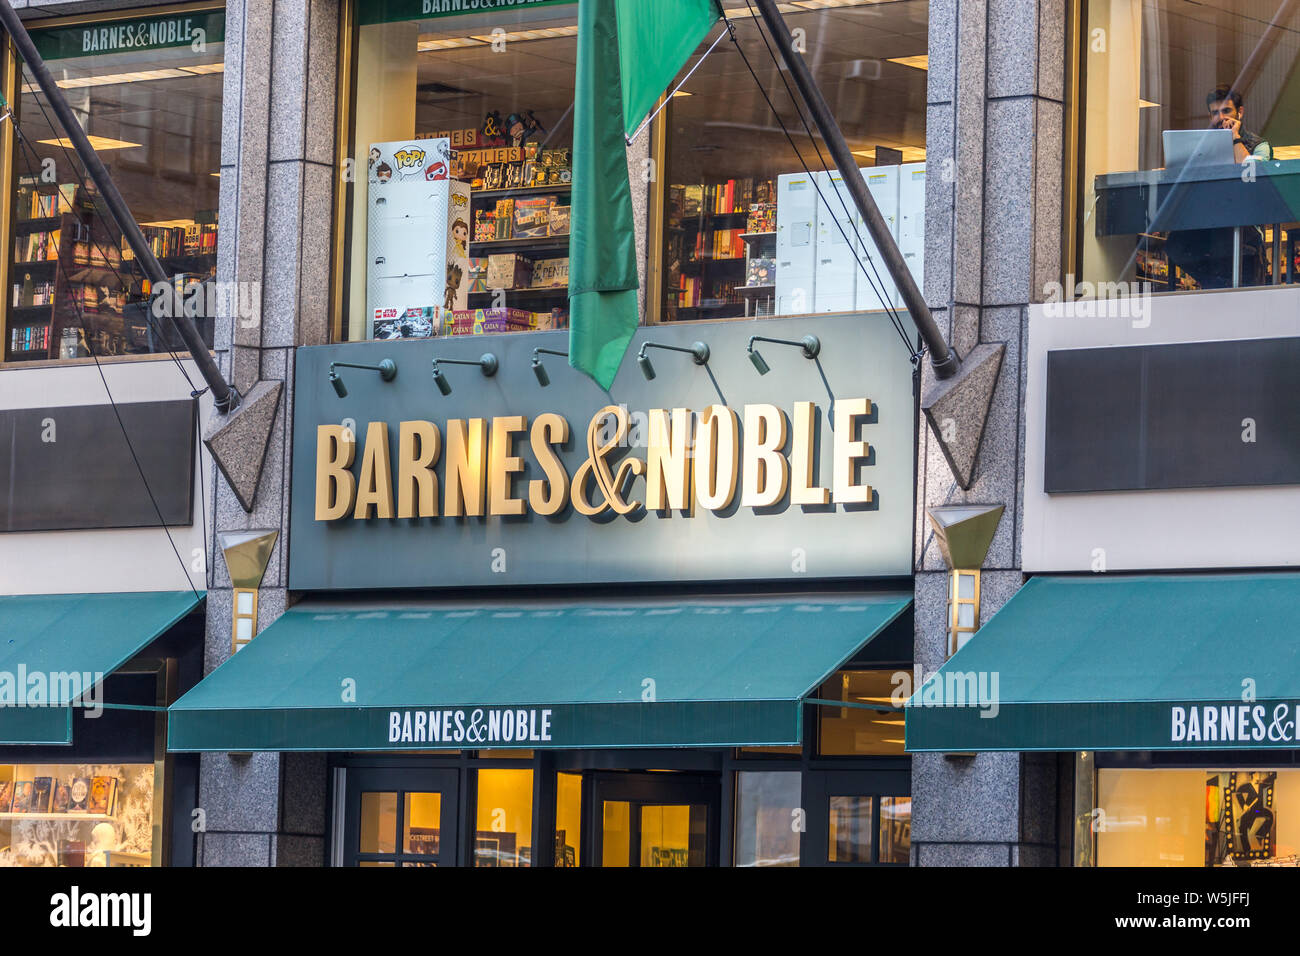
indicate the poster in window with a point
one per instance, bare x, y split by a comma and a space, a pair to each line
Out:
1241, 822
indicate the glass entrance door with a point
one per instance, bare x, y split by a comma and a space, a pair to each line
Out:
400, 818
651, 819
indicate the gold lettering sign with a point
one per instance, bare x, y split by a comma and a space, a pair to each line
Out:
336, 488
802, 489
466, 468
689, 459
718, 446
668, 461
766, 472
502, 463
849, 451
418, 446
549, 495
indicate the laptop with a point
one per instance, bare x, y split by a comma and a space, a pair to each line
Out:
1198, 147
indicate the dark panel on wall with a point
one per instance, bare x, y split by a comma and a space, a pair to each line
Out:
1194, 415
66, 469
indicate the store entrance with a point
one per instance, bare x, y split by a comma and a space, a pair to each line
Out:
400, 818
655, 819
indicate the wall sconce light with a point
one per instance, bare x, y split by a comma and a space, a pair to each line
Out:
964, 533
247, 555
487, 364
387, 370
810, 344
539, 369
698, 351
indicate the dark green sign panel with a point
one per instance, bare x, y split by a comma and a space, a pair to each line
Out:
391, 11
803, 472
197, 30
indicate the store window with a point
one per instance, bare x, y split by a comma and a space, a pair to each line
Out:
871, 720
1241, 817
78, 815
568, 819
746, 230
473, 239
476, 240
503, 833
1190, 135
769, 818
147, 90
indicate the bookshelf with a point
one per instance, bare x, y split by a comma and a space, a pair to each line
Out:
710, 247
67, 267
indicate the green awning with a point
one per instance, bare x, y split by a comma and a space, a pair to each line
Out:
404, 677
1177, 662
56, 646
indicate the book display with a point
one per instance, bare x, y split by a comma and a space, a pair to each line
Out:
709, 247
76, 288
76, 815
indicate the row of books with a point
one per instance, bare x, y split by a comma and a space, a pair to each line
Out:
40, 293
762, 217
734, 195
37, 247
168, 241
720, 244
29, 338
695, 292
38, 205
50, 795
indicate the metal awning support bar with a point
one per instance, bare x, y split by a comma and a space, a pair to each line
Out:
225, 397
943, 359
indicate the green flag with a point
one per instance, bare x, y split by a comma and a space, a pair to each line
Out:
628, 53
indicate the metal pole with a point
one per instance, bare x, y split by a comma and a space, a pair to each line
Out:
225, 397
943, 359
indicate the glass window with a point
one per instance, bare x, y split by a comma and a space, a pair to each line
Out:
616, 836
895, 829
1243, 817
872, 723
849, 832
422, 824
503, 835
152, 111
78, 815
1189, 135
378, 822
746, 230
673, 835
462, 126
769, 818
568, 818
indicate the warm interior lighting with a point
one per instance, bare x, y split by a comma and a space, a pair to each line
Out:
548, 33
911, 154
113, 79
97, 143
452, 43
919, 62
1286, 152
1146, 104
168, 223
205, 68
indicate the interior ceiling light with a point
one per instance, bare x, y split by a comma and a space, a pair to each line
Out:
424, 46
547, 33
97, 143
205, 68
110, 79
919, 62
169, 223
1146, 104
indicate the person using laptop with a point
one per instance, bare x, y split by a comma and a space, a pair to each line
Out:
1224, 104
1206, 254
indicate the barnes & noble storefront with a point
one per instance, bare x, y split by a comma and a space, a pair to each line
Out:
541, 624
1176, 696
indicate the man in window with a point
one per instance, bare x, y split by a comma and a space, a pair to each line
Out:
1206, 254
1224, 104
